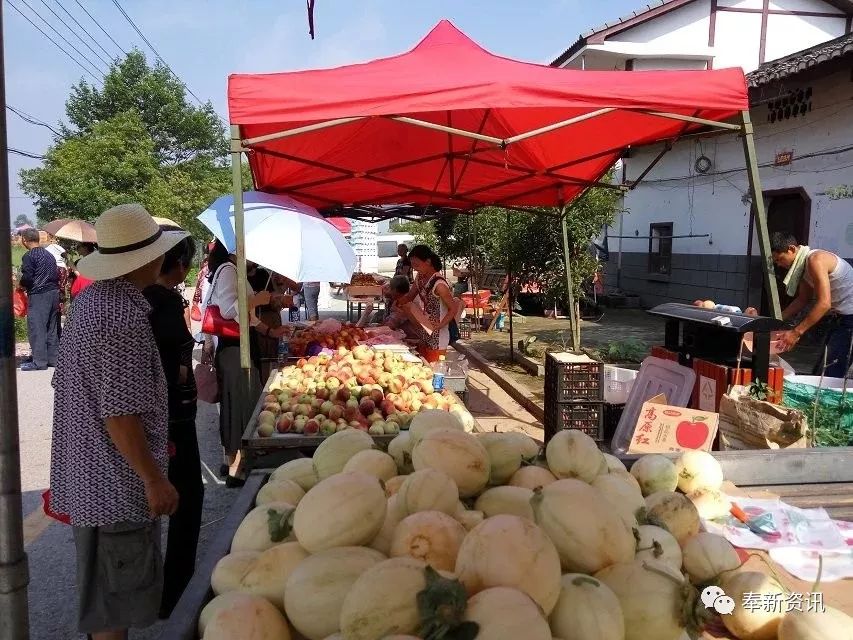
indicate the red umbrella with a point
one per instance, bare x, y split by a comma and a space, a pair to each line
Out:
451, 124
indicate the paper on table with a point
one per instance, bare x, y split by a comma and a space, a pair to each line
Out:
801, 534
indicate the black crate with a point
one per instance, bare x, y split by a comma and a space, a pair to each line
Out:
583, 416
573, 381
612, 413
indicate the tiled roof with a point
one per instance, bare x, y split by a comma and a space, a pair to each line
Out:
782, 68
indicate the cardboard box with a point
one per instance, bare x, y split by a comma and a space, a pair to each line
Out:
663, 428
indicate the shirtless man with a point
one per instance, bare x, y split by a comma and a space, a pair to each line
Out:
828, 280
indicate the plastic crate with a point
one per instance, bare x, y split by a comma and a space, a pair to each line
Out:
464, 329
618, 383
571, 378
612, 413
583, 416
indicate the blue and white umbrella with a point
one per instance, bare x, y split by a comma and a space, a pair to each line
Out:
285, 236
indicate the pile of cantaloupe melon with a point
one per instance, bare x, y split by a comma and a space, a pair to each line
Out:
457, 535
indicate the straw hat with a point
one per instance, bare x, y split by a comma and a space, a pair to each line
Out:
128, 239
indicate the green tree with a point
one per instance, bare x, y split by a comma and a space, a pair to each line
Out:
137, 139
22, 220
531, 245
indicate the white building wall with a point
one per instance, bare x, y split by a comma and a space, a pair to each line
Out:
716, 204
737, 35
806, 31
685, 27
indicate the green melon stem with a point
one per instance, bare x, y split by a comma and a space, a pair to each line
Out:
280, 524
441, 607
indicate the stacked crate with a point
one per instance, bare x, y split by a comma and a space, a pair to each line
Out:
574, 395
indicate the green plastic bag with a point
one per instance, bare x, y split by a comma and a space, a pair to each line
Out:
834, 424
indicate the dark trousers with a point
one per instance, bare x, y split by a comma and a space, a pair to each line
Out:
185, 523
42, 320
838, 341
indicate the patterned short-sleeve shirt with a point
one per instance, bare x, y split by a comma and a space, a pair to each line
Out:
108, 366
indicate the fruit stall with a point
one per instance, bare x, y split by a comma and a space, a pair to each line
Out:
480, 531
364, 288
346, 385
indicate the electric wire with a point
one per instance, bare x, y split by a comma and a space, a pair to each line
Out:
26, 154
154, 50
74, 31
100, 26
84, 30
56, 44
56, 31
31, 119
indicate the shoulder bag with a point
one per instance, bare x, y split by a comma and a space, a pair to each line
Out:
213, 324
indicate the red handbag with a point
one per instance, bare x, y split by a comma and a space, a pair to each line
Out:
20, 303
213, 324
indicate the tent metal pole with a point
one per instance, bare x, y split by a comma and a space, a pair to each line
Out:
509, 302
299, 130
573, 315
440, 127
14, 570
558, 125
760, 215
693, 119
240, 233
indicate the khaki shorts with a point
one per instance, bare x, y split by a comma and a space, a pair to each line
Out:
119, 576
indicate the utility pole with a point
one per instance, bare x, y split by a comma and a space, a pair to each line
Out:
14, 571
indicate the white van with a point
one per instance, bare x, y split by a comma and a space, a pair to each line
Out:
386, 248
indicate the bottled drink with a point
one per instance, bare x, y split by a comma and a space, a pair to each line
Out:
727, 308
439, 369
283, 349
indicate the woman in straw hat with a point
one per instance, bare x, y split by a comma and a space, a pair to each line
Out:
109, 455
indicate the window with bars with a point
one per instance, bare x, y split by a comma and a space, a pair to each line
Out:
660, 248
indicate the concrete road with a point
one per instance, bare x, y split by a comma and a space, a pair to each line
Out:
49, 544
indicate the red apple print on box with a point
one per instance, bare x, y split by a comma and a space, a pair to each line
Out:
692, 434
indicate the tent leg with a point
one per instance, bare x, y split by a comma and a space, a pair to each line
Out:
14, 572
760, 215
509, 302
574, 321
240, 232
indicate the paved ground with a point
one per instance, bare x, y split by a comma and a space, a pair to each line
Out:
616, 326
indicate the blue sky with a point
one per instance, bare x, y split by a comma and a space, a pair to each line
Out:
205, 40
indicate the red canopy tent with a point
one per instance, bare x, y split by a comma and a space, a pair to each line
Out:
451, 124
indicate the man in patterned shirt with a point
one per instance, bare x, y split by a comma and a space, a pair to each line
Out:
110, 425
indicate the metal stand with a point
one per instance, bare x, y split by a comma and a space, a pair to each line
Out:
760, 215
14, 571
240, 232
573, 311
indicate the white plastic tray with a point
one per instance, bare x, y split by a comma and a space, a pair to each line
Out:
656, 376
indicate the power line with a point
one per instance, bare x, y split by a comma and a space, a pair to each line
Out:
77, 22
156, 53
56, 31
26, 154
31, 119
106, 33
58, 46
77, 35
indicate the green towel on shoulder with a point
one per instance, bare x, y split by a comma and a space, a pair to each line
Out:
795, 273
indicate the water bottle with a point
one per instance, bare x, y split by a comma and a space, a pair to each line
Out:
727, 308
438, 371
283, 350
